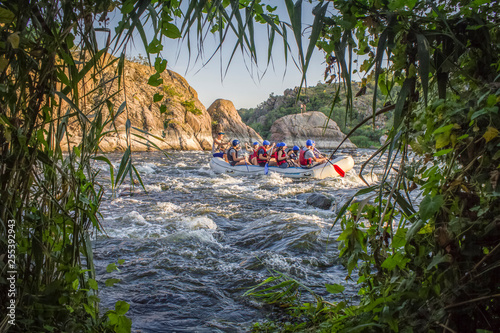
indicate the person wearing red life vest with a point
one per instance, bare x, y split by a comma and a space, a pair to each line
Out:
307, 157
252, 159
263, 153
281, 156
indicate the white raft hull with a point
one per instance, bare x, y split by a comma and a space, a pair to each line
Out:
321, 171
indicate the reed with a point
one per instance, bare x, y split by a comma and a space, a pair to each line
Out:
51, 65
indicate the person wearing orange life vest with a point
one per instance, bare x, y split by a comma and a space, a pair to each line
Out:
232, 154
263, 153
281, 156
307, 158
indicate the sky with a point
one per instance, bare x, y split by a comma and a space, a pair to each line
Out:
240, 85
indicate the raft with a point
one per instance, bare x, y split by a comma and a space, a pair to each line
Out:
321, 171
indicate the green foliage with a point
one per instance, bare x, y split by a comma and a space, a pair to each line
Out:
48, 182
170, 91
429, 263
317, 98
191, 107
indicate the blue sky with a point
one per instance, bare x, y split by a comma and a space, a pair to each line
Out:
241, 84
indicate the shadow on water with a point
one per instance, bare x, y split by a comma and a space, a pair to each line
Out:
196, 241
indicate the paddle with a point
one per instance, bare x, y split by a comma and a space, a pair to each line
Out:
335, 166
246, 162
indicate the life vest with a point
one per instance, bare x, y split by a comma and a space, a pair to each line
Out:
276, 154
265, 155
302, 158
229, 156
253, 155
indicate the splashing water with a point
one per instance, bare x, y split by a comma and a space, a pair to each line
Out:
196, 241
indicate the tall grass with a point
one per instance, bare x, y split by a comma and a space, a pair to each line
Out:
48, 184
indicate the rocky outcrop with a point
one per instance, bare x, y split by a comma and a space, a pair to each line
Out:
178, 121
295, 129
226, 119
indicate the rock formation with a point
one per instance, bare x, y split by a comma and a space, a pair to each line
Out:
184, 123
295, 129
226, 119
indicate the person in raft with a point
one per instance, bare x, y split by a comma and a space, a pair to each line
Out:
253, 153
293, 156
281, 156
307, 158
264, 153
232, 154
219, 144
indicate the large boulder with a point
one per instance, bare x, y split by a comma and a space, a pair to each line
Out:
295, 129
226, 119
184, 123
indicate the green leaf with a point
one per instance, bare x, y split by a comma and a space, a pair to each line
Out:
111, 282
490, 133
430, 205
121, 261
127, 6
121, 307
334, 288
155, 46
157, 97
155, 80
3, 63
75, 284
439, 258
163, 109
14, 39
443, 129
6, 16
160, 65
170, 30
424, 63
399, 239
492, 100
443, 152
93, 284
394, 260
50, 328
442, 140
124, 325
111, 267
399, 110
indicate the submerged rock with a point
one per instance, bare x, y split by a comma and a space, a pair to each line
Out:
295, 129
226, 119
319, 201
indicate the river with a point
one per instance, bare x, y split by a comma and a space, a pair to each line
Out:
196, 241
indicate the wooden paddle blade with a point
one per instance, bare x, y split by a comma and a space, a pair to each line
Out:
339, 170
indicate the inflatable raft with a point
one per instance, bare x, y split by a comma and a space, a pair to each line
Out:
321, 171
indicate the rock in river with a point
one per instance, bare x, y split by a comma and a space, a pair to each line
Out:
319, 201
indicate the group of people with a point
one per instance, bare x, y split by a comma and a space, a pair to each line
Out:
275, 154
